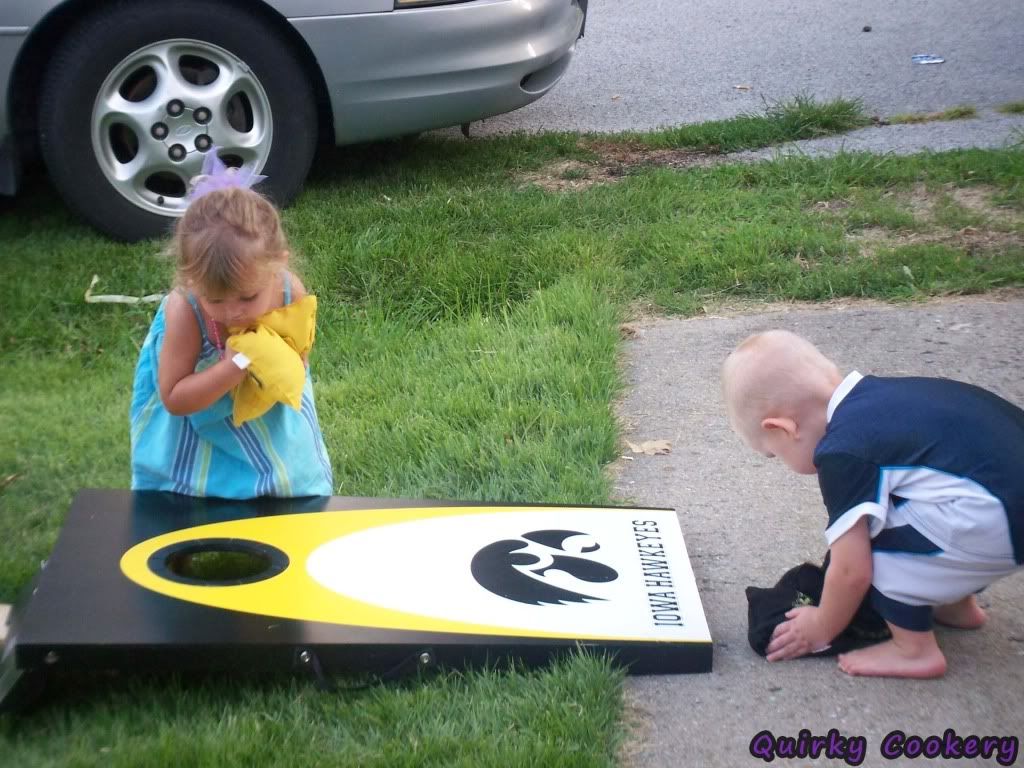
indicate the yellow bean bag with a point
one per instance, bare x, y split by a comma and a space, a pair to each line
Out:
276, 345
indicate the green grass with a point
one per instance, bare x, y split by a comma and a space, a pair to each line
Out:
467, 348
573, 174
953, 113
877, 207
799, 118
1012, 108
948, 213
563, 716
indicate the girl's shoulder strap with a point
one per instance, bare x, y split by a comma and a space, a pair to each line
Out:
286, 283
194, 303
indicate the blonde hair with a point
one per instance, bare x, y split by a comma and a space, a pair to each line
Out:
774, 373
228, 240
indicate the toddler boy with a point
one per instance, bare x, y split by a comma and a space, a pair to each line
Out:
923, 482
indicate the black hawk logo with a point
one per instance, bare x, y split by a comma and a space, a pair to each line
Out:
517, 569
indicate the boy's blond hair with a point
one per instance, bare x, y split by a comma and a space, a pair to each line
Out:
772, 374
227, 239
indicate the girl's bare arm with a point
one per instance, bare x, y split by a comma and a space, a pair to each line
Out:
182, 390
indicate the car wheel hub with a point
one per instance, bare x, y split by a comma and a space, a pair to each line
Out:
163, 107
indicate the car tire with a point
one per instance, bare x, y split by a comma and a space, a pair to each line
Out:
117, 69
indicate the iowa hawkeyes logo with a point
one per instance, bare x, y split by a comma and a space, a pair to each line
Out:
517, 570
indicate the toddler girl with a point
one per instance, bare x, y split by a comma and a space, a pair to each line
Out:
232, 259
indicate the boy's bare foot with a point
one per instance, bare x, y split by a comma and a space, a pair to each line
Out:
908, 654
964, 614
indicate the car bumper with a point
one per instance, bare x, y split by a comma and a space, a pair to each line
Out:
458, 63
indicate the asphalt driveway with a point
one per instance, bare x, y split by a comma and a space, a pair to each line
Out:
644, 65
658, 63
747, 519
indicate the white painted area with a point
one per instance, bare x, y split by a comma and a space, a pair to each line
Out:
424, 567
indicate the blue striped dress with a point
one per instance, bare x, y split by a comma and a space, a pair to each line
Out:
281, 453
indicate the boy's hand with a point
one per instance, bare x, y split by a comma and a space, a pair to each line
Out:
848, 578
800, 635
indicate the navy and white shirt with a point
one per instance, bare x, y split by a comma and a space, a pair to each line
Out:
927, 460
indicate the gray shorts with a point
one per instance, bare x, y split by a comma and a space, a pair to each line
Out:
972, 549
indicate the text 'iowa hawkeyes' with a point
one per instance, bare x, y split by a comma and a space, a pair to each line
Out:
661, 594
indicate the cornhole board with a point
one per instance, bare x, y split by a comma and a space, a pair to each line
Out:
343, 585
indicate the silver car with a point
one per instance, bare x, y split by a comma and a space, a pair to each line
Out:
123, 99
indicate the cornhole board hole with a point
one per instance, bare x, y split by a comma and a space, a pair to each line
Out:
338, 585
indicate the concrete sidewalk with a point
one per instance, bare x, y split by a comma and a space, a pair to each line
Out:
748, 519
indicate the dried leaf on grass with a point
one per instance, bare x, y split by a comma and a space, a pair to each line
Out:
651, 447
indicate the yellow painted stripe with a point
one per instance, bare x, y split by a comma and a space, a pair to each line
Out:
293, 594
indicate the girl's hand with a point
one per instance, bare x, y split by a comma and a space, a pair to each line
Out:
800, 635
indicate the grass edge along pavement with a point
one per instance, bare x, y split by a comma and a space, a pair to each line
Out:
954, 113
467, 349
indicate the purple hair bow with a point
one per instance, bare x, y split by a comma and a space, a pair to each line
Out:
216, 175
